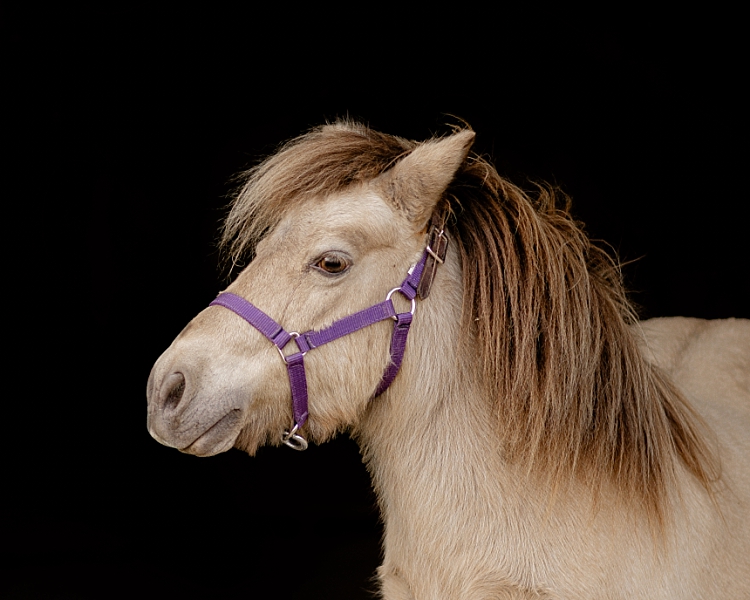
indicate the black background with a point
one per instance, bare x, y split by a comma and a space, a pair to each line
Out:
126, 128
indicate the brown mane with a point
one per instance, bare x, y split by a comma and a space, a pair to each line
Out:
574, 394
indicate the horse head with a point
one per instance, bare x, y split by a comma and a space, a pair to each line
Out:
325, 251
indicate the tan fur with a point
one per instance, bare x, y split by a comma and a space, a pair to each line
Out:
535, 444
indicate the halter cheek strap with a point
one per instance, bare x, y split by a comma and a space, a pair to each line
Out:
310, 340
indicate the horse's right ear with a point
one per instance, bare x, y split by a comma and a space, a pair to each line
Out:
416, 183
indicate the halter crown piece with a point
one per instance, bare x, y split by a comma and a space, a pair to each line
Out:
417, 283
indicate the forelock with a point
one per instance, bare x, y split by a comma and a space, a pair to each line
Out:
326, 160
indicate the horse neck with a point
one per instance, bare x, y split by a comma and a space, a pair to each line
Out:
433, 446
434, 421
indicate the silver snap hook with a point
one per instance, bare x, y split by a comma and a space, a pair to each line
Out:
293, 439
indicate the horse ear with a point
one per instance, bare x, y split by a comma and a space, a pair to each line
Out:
416, 183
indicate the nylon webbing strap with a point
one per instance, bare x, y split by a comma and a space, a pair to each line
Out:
345, 326
398, 346
256, 317
295, 366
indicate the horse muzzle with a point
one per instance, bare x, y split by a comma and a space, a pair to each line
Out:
179, 417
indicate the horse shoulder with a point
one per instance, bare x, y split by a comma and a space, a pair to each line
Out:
709, 361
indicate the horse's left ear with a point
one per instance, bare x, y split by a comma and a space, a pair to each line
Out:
416, 183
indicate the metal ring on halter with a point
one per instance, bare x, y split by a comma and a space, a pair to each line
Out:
294, 441
294, 335
413, 301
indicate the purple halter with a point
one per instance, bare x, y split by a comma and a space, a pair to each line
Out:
418, 282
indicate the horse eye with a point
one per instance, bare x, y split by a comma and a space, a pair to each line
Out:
332, 263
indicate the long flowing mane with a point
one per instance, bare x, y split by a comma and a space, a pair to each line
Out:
561, 361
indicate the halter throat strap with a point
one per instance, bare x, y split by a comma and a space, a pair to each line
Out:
309, 340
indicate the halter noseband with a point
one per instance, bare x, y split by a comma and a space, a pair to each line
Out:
417, 283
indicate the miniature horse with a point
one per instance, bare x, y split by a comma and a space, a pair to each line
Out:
526, 436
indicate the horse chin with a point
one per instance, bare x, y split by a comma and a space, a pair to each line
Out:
219, 437
251, 439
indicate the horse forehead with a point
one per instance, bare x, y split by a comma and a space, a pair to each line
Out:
357, 214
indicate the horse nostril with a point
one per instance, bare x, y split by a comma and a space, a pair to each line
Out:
174, 387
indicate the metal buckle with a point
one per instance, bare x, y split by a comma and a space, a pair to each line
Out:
293, 440
436, 240
433, 255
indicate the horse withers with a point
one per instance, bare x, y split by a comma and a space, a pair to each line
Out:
565, 450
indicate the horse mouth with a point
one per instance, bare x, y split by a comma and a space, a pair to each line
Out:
218, 438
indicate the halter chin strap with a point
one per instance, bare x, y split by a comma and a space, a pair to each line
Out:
414, 285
